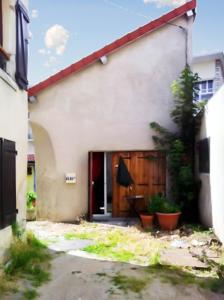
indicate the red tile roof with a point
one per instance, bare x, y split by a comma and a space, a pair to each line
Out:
130, 37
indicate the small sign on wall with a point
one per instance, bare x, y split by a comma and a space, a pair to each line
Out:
70, 178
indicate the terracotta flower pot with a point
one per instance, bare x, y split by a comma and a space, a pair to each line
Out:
168, 221
146, 220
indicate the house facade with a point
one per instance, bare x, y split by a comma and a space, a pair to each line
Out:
210, 143
97, 111
13, 115
210, 69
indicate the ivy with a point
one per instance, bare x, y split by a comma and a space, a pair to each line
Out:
180, 144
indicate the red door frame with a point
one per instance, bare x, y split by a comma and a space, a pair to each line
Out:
90, 186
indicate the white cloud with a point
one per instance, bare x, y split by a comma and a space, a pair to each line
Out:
52, 60
30, 35
34, 13
161, 3
56, 38
42, 51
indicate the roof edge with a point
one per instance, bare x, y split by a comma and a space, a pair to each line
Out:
208, 57
126, 39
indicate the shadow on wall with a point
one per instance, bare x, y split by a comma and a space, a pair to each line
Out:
45, 171
205, 204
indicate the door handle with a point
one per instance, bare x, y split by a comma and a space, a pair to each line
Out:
93, 182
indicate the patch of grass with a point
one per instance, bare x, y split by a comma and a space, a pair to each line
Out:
174, 275
129, 283
24, 254
38, 276
122, 246
28, 259
155, 259
7, 285
79, 235
30, 294
108, 250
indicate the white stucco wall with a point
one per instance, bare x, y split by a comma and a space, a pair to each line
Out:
212, 191
13, 116
104, 107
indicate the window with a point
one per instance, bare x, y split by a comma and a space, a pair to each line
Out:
29, 170
22, 20
205, 89
204, 156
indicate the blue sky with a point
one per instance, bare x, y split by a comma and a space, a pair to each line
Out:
62, 32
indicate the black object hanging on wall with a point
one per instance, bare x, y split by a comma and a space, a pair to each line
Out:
123, 176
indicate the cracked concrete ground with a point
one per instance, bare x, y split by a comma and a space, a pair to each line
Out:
76, 278
77, 275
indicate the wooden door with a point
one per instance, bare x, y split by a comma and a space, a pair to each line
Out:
148, 170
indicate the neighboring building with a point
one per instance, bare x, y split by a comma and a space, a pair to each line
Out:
210, 147
211, 72
211, 164
31, 171
13, 115
101, 106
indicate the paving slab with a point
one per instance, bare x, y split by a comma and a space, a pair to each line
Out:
64, 246
181, 258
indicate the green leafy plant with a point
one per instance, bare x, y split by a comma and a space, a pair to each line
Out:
158, 203
17, 230
179, 145
31, 199
155, 203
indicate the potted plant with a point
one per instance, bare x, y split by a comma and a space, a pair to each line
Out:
31, 205
148, 216
167, 213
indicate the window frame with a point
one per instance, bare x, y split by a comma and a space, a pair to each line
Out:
205, 92
4, 56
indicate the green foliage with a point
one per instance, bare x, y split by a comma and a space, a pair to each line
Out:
79, 235
31, 197
126, 246
129, 283
179, 145
30, 294
28, 259
158, 203
17, 230
24, 255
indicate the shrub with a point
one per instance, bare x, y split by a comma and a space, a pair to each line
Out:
158, 203
31, 199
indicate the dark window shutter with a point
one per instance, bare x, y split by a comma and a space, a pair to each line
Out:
22, 20
7, 183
